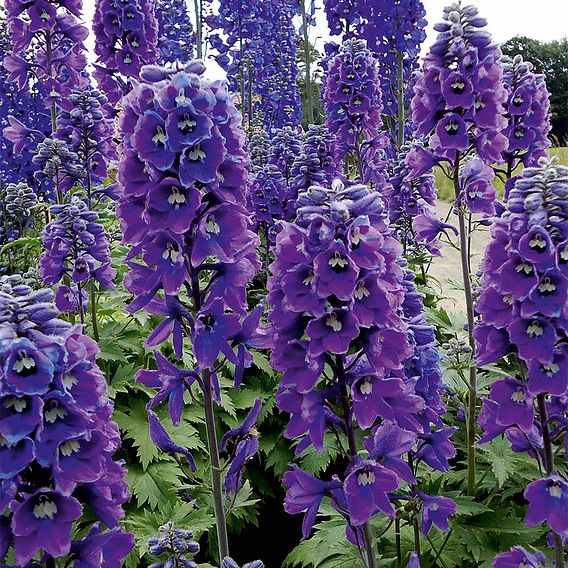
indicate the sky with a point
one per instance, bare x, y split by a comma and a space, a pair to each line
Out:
543, 20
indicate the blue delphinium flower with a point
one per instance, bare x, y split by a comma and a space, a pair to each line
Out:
176, 38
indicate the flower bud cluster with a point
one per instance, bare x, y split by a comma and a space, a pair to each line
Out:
16, 202
174, 545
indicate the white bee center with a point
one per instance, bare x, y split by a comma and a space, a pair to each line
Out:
337, 261
366, 478
333, 322
45, 509
160, 136
535, 329
69, 447
362, 292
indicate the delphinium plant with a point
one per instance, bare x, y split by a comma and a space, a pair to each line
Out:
352, 99
126, 33
348, 338
523, 308
182, 176
176, 37
57, 439
458, 104
528, 116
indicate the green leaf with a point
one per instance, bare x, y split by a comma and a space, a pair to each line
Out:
156, 485
467, 505
501, 458
262, 363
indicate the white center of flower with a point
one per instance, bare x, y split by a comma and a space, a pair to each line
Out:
212, 226
134, 43
176, 197
508, 299
24, 363
518, 100
45, 509
170, 253
479, 104
537, 242
366, 387
452, 127
127, 59
362, 291
525, 267
458, 85
535, 329
69, 447
337, 260
196, 153
55, 411
550, 369
518, 396
181, 98
564, 254
333, 322
366, 478
160, 136
69, 381
18, 404
547, 285
555, 490
187, 123
433, 506
44, 16
356, 236
308, 280
4, 443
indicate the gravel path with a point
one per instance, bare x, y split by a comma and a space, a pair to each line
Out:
447, 268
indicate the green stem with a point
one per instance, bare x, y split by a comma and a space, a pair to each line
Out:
309, 93
549, 467
220, 520
95, 323
398, 542
198, 29
465, 262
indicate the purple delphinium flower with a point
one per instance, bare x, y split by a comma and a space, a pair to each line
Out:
339, 297
181, 183
518, 557
63, 427
436, 510
352, 98
126, 35
176, 37
459, 96
523, 301
75, 246
528, 115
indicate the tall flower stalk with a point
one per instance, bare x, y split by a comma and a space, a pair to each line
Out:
182, 177
523, 328
458, 103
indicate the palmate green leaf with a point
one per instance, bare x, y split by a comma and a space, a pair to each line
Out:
134, 424
501, 458
123, 379
315, 462
260, 361
467, 505
155, 485
110, 350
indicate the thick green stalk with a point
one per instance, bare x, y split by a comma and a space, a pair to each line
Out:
309, 93
220, 520
198, 29
472, 398
549, 467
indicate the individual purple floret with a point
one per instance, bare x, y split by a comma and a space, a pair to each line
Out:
126, 35
57, 436
518, 557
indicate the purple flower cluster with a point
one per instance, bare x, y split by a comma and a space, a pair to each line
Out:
175, 32
459, 97
341, 301
57, 439
394, 31
523, 309
267, 197
83, 126
411, 202
76, 250
57, 35
182, 175
527, 112
352, 98
57, 164
126, 34
343, 17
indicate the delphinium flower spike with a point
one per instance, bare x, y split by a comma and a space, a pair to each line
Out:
174, 546
57, 439
352, 99
176, 38
528, 116
348, 338
182, 176
126, 35
523, 308
458, 104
